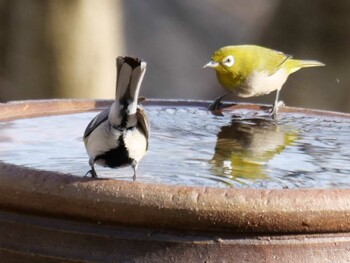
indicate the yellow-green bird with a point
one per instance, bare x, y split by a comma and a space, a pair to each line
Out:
250, 71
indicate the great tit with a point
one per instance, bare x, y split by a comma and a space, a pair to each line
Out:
118, 136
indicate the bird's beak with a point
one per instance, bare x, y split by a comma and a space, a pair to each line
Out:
211, 64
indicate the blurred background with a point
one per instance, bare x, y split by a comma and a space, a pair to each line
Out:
67, 48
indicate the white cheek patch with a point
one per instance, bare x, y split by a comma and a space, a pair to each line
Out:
132, 107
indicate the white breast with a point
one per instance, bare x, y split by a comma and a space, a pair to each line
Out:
262, 83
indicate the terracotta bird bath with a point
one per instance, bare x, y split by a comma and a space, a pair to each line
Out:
48, 216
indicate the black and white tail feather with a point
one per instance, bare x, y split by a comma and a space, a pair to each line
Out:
118, 136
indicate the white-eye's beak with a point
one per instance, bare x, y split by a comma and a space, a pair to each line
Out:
211, 64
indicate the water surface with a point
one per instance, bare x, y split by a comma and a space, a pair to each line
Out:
190, 146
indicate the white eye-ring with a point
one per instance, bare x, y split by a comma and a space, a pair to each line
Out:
228, 61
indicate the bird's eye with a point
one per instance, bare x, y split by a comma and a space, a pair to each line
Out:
228, 61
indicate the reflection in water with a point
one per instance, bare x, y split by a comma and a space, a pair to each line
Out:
3, 136
245, 146
297, 151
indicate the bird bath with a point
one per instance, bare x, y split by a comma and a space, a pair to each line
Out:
211, 188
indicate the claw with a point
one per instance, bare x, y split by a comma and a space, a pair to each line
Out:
216, 104
92, 172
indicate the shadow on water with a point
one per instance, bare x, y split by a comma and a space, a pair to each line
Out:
244, 147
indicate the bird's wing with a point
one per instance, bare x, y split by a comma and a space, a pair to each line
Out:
142, 119
279, 59
101, 117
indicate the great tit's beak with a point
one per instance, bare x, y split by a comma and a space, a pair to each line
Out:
211, 64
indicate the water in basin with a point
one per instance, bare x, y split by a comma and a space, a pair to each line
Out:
190, 146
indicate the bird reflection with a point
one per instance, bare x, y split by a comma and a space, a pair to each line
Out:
245, 146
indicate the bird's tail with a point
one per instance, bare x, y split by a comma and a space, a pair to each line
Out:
130, 72
298, 64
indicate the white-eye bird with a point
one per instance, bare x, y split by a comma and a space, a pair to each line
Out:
118, 136
250, 71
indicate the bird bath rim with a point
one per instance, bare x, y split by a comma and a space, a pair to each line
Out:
264, 211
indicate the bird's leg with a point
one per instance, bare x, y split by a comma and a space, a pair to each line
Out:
92, 170
275, 106
134, 167
216, 104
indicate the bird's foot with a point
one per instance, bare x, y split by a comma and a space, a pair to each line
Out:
92, 172
216, 104
273, 111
